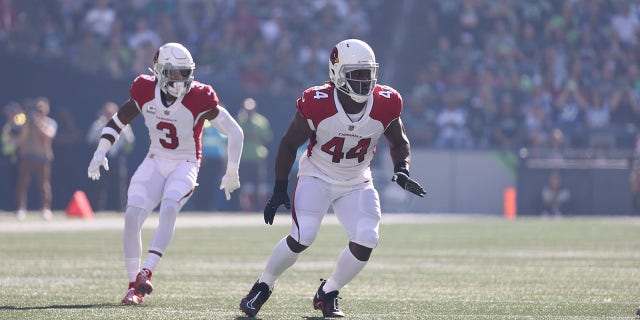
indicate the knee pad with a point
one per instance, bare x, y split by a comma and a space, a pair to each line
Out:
368, 238
135, 216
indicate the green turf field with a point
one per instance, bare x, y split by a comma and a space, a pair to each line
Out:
434, 267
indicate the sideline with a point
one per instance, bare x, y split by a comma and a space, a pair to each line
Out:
115, 221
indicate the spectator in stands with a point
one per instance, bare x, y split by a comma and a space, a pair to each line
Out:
35, 154
557, 145
100, 19
52, 42
452, 125
536, 126
9, 18
478, 124
625, 113
569, 114
87, 54
420, 112
597, 118
117, 58
143, 36
626, 26
555, 196
507, 127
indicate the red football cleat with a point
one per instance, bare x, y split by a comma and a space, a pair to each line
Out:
143, 281
132, 298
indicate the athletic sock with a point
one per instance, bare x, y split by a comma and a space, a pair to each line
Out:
347, 268
281, 259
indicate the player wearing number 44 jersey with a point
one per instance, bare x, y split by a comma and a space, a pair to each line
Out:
174, 107
342, 121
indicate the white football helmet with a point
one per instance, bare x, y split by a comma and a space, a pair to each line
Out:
350, 55
173, 67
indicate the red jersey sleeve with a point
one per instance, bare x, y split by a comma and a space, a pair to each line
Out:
317, 104
387, 105
142, 89
201, 98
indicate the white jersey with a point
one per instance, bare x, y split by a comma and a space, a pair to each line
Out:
174, 132
340, 150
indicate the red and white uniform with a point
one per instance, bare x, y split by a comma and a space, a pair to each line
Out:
175, 132
341, 150
335, 171
170, 170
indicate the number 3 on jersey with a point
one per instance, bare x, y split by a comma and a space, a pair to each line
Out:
334, 148
170, 133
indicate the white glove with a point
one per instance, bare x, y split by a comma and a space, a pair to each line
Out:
97, 161
230, 182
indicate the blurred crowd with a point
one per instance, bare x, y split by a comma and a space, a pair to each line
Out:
275, 46
540, 74
474, 73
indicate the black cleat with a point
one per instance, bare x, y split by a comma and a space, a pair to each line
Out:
253, 301
327, 302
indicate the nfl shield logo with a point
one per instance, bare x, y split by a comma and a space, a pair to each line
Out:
166, 113
351, 128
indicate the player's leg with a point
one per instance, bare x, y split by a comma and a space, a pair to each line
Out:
177, 191
134, 218
145, 191
310, 203
359, 213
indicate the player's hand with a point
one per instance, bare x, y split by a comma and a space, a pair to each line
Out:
278, 198
99, 160
403, 180
230, 182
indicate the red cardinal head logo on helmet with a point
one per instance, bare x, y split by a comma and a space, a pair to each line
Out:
334, 56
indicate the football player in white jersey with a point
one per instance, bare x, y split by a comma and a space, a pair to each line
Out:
174, 107
342, 121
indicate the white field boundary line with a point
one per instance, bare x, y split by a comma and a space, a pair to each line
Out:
115, 221
34, 223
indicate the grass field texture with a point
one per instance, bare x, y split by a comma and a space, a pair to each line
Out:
425, 267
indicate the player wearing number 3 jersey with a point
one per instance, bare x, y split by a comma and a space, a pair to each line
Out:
174, 107
342, 122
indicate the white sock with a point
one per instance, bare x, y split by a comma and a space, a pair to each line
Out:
132, 265
151, 261
132, 241
346, 269
164, 234
281, 259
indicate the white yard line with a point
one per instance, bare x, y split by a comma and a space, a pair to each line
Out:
188, 220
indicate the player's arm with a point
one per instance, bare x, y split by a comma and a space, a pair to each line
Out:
399, 146
127, 112
110, 134
297, 133
400, 150
224, 122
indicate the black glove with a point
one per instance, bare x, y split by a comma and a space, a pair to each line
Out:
401, 177
279, 197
